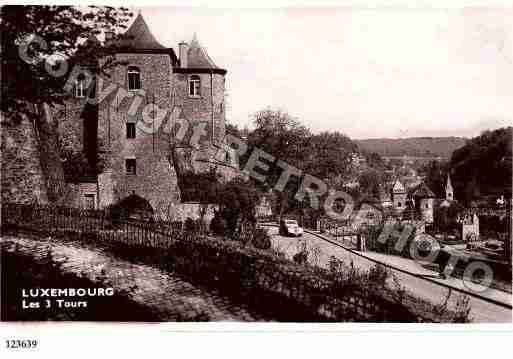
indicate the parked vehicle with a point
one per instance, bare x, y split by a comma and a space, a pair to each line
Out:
290, 227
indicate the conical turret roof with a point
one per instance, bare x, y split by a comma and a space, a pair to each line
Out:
398, 187
197, 56
423, 191
139, 37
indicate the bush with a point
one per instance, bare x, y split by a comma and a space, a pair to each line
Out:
218, 225
237, 201
261, 239
378, 274
301, 257
190, 225
117, 214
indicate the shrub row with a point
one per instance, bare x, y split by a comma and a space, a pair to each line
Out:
295, 292
274, 285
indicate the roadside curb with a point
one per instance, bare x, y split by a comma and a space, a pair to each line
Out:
490, 300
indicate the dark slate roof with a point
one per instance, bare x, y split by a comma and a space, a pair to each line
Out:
423, 191
198, 58
139, 37
398, 187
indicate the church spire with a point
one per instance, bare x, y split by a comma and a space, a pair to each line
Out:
449, 192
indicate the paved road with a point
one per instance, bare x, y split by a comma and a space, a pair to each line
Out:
481, 311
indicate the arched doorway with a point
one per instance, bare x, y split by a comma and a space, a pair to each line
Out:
133, 207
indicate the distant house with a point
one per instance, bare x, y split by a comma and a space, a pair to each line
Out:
264, 207
423, 199
357, 159
469, 227
352, 184
399, 196
385, 199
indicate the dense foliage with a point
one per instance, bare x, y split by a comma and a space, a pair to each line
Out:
435, 173
326, 156
64, 29
237, 201
483, 166
201, 187
446, 218
302, 292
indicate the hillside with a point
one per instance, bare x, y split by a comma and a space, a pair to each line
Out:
413, 146
483, 166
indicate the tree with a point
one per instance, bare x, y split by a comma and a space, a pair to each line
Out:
232, 129
445, 218
27, 85
370, 182
199, 187
237, 201
374, 160
326, 156
39, 45
282, 136
435, 173
484, 165
329, 155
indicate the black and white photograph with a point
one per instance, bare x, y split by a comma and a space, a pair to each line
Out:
322, 164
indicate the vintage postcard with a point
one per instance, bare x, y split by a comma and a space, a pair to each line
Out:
293, 164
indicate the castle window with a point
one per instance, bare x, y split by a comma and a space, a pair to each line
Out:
80, 86
194, 86
130, 166
134, 78
130, 130
89, 201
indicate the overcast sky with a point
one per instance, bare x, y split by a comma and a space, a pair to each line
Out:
365, 72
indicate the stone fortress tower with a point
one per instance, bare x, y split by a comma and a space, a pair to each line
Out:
133, 126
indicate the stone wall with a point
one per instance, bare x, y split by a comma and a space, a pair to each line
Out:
49, 156
105, 189
155, 179
199, 109
426, 209
182, 211
23, 180
71, 127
